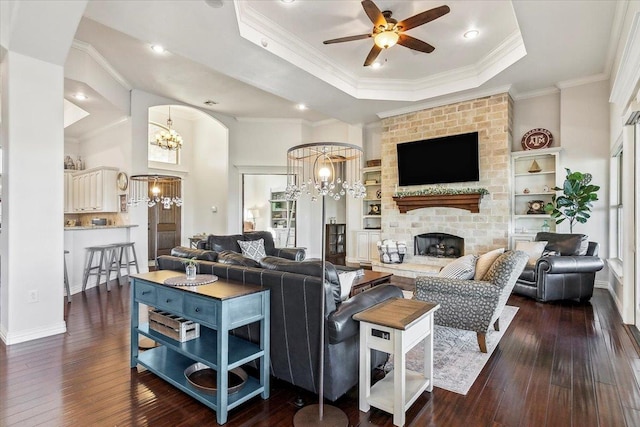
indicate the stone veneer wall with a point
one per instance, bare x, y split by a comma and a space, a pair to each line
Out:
492, 117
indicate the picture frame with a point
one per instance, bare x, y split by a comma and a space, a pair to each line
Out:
123, 203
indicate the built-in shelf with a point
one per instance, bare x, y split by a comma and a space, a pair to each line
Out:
470, 202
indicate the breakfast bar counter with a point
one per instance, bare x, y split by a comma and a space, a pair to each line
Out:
78, 238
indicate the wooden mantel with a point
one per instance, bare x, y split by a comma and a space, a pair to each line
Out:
470, 202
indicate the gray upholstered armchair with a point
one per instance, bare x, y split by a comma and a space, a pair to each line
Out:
473, 305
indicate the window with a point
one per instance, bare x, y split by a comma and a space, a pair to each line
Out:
157, 154
617, 209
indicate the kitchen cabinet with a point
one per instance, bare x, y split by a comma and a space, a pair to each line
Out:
68, 191
95, 190
367, 246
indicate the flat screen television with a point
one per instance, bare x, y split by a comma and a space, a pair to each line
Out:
439, 160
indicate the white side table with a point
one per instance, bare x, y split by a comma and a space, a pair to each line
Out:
395, 327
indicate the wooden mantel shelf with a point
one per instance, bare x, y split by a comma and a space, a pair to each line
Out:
470, 202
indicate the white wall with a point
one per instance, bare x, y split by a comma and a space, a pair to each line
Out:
537, 112
585, 141
208, 180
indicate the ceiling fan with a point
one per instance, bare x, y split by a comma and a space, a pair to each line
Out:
387, 31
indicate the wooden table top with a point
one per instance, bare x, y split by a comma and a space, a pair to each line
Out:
220, 289
370, 276
396, 313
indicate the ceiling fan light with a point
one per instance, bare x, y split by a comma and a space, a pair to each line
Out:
386, 39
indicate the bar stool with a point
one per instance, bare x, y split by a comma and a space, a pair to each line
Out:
106, 262
66, 278
123, 250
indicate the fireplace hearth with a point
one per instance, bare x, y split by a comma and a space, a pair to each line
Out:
439, 245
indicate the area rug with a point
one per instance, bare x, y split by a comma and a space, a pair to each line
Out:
457, 359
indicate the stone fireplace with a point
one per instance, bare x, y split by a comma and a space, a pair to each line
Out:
482, 230
439, 245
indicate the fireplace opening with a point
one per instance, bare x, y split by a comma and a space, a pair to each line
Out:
440, 245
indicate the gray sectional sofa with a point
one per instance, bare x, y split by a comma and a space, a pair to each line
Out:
296, 288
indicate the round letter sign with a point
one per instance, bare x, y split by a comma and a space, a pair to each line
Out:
537, 138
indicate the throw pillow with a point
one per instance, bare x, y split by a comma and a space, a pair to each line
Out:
346, 282
485, 261
253, 249
533, 249
462, 268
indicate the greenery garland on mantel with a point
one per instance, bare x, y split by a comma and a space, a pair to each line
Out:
441, 191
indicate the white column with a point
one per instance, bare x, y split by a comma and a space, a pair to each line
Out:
31, 290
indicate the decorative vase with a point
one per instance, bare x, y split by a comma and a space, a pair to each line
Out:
545, 227
191, 272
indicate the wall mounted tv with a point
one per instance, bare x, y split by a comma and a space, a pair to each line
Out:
439, 160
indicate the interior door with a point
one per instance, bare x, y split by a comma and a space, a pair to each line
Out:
164, 229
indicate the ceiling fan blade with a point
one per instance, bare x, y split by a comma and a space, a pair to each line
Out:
422, 18
415, 44
347, 39
374, 13
373, 54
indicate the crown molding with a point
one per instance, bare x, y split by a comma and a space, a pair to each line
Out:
269, 35
273, 120
444, 101
616, 32
534, 93
582, 81
101, 61
628, 74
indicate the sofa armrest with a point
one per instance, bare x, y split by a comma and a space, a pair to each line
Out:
170, 262
202, 244
295, 254
340, 324
569, 264
456, 287
201, 254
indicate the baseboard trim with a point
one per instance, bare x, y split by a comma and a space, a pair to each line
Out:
10, 338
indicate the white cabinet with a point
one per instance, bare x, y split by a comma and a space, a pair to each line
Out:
532, 187
283, 219
367, 246
371, 204
95, 190
68, 191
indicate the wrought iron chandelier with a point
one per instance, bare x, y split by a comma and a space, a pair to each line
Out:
168, 138
155, 189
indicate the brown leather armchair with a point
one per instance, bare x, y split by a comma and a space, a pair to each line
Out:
567, 273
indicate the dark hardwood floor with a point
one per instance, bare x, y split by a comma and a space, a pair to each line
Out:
560, 364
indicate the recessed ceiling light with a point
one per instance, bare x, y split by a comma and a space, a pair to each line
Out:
376, 65
471, 34
158, 48
80, 96
287, 1
301, 107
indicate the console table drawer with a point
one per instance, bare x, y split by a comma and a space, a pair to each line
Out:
170, 300
201, 309
146, 294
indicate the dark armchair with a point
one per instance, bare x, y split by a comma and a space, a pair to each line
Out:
568, 272
230, 243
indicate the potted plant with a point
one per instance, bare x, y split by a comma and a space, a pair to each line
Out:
190, 268
576, 201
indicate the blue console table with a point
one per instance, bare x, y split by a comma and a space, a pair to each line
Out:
218, 307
